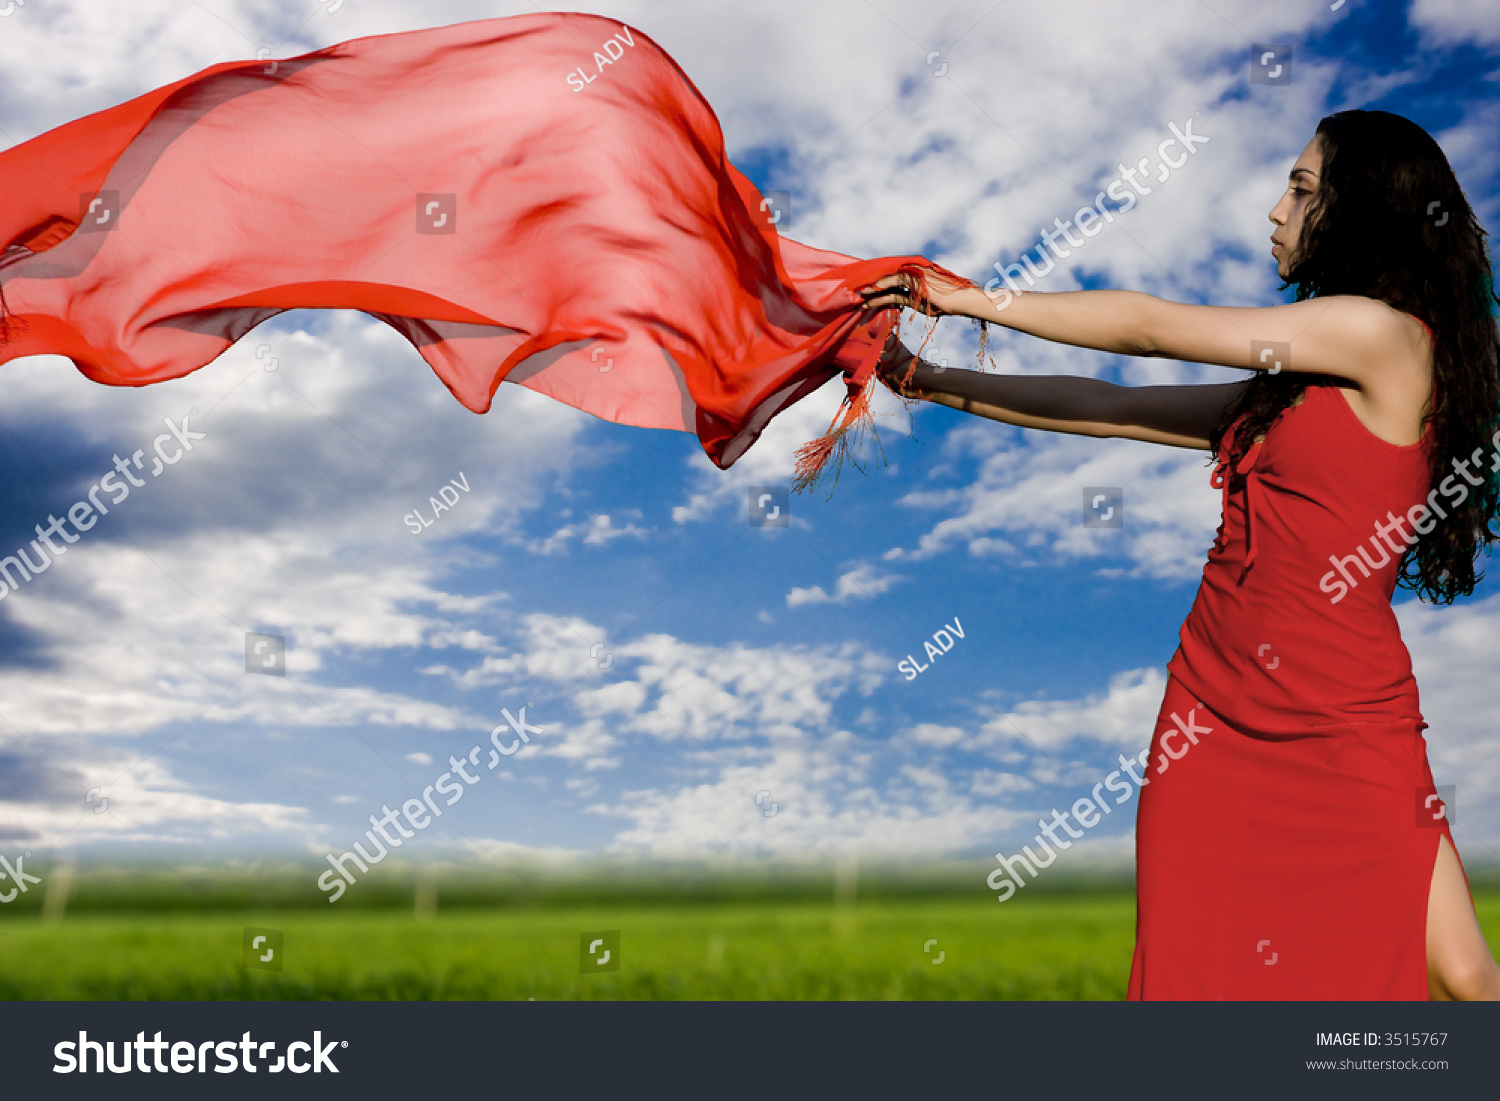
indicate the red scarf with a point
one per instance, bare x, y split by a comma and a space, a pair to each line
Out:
544, 199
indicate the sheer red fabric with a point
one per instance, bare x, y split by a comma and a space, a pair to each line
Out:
542, 199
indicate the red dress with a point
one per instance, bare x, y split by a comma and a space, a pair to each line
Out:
1289, 825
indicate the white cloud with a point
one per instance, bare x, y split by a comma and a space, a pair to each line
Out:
990, 782
1453, 652
1124, 714
597, 531
1446, 22
140, 801
287, 518
934, 734
861, 583
1026, 503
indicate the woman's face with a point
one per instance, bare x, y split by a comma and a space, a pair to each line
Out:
1288, 213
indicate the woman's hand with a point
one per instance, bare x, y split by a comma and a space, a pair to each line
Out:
895, 363
943, 296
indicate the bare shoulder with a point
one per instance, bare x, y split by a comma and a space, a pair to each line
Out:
1395, 393
1376, 327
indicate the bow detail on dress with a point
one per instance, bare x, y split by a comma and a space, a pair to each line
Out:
1220, 479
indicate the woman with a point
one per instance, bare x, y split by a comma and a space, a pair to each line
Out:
1289, 840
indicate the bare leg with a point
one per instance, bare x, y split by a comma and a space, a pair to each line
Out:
1459, 964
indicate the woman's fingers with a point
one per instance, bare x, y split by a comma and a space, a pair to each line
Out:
898, 279
892, 291
934, 296
887, 301
879, 298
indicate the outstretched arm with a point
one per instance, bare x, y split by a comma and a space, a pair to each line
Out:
1179, 416
1348, 336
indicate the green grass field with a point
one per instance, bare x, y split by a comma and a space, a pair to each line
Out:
1073, 948
1073, 945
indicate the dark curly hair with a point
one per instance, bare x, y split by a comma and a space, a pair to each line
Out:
1372, 229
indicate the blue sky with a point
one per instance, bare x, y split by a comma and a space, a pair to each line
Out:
680, 661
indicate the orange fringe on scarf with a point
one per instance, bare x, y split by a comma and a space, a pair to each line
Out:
854, 418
